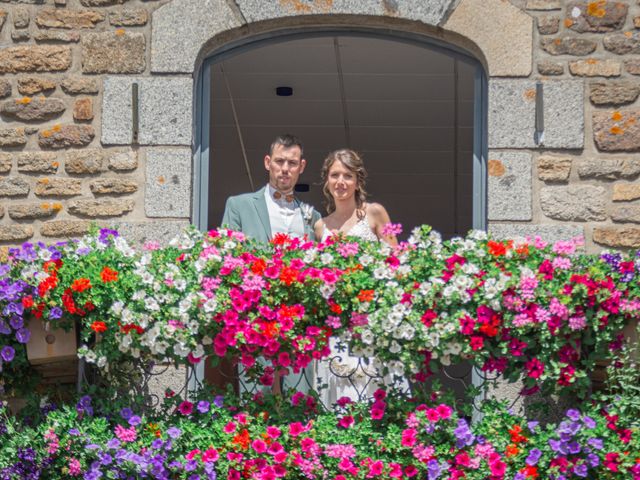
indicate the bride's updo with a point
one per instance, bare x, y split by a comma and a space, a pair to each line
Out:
354, 164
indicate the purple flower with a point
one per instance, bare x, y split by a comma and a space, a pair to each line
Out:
74, 431
157, 444
534, 456
593, 460
580, 470
174, 432
55, 313
589, 422
23, 335
126, 413
595, 443
113, 444
4, 328
7, 353
532, 425
203, 406
463, 435
218, 401
433, 469
573, 414
134, 420
16, 322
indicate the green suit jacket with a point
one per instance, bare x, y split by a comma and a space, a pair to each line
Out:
248, 214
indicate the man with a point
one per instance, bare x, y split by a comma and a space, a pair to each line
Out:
274, 208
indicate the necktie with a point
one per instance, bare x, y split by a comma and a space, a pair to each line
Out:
288, 197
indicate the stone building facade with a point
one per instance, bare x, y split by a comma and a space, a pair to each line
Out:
69, 155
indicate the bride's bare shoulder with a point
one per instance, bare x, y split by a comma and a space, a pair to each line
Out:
376, 210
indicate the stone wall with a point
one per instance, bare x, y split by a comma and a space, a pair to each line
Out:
69, 158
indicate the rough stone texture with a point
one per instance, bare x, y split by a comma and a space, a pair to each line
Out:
623, 43
30, 85
626, 214
14, 187
5, 162
619, 237
168, 183
65, 228
582, 203
11, 233
3, 18
165, 111
56, 36
38, 162
175, 45
87, 161
552, 168
512, 114
568, 46
58, 187
636, 22
632, 66
113, 52
592, 67
12, 137
20, 35
129, 17
34, 211
83, 109
5, 88
509, 54
548, 25
123, 161
549, 233
609, 169
614, 93
625, 192
66, 136
35, 58
68, 18
596, 16
141, 232
101, 3
113, 186
33, 109
1, 211
74, 85
509, 186
617, 131
543, 5
21, 17
101, 208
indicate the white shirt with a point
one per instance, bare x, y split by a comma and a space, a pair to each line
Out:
284, 217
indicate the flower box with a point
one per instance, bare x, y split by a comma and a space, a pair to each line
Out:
50, 345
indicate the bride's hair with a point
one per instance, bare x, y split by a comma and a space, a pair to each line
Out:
354, 163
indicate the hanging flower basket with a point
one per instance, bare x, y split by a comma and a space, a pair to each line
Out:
50, 345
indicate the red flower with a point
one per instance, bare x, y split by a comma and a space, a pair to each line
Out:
476, 342
185, 408
27, 302
366, 295
99, 326
80, 285
107, 275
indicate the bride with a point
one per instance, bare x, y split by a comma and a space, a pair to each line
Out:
343, 176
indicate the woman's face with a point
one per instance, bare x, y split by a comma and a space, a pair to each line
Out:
341, 181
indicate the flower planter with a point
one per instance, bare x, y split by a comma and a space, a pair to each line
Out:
49, 345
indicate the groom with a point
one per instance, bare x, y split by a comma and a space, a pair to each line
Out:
274, 208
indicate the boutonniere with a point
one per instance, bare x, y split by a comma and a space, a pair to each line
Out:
307, 212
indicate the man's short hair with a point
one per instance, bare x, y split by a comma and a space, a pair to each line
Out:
287, 141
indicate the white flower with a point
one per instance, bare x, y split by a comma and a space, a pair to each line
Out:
326, 290
326, 258
151, 304
206, 340
367, 337
210, 305
102, 361
310, 255
396, 368
394, 347
366, 259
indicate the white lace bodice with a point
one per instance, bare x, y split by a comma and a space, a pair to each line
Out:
361, 229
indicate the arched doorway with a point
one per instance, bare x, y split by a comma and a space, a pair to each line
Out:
413, 107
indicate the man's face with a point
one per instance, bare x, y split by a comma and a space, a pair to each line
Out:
284, 166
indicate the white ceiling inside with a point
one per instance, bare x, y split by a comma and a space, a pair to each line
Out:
400, 105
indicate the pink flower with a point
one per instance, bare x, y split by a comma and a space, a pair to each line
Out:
296, 429
535, 368
74, 467
346, 421
391, 230
192, 454
375, 469
410, 471
185, 408
348, 249
444, 411
408, 437
210, 455
274, 432
230, 427
259, 445
380, 394
126, 434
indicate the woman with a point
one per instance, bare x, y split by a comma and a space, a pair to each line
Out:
343, 176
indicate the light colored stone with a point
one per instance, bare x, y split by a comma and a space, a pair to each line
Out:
123, 161
5, 88
157, 231
113, 52
10, 233
165, 111
38, 162
604, 16
129, 17
509, 186
111, 207
609, 169
626, 214
512, 113
21, 17
548, 232
56, 36
5, 162
619, 237
175, 45
582, 203
83, 109
543, 5
12, 137
623, 43
3, 18
14, 187
58, 187
614, 93
101, 3
33, 211
74, 85
35, 58
552, 168
168, 183
64, 136
68, 18
30, 84
20, 35
509, 54
592, 67
625, 192
33, 109
548, 25
632, 66
617, 131
88, 161
568, 46
65, 228
113, 186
